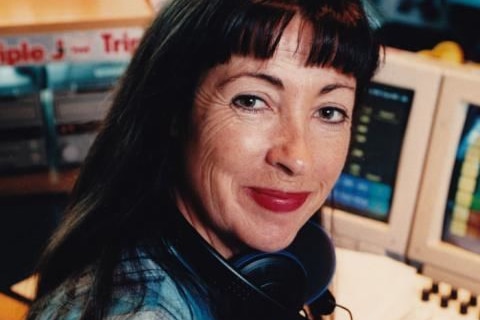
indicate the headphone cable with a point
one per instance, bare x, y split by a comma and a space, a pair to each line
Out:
346, 309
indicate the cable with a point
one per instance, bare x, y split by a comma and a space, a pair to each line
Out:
330, 203
346, 309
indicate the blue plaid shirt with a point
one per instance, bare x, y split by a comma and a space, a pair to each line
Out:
161, 298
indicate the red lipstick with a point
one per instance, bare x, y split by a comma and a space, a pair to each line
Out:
278, 201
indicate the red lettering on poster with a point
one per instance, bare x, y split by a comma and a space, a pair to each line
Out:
80, 49
60, 51
22, 53
122, 44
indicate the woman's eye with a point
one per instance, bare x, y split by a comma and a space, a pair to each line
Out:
333, 114
249, 102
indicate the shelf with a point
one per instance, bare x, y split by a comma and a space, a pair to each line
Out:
33, 16
38, 183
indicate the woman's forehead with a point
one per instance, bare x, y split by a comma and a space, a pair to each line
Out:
296, 38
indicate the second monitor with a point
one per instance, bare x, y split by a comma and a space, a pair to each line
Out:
446, 234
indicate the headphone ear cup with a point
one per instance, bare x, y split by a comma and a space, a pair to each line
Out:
279, 275
315, 251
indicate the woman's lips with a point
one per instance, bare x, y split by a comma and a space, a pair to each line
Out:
278, 201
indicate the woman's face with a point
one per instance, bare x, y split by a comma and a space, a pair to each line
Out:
269, 139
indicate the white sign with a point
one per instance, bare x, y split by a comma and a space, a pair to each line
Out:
97, 45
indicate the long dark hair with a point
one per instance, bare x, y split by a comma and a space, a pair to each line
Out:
124, 187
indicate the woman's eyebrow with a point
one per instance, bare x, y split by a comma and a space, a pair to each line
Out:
276, 82
334, 86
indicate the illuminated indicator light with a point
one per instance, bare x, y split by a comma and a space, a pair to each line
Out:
357, 153
475, 147
364, 119
355, 169
476, 143
373, 177
360, 138
467, 184
362, 129
458, 228
460, 213
472, 154
470, 169
463, 199
385, 115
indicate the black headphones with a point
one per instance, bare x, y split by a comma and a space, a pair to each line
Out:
260, 285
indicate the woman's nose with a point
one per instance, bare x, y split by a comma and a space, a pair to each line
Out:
289, 152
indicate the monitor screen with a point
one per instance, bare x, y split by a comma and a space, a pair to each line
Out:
445, 239
371, 207
462, 213
367, 183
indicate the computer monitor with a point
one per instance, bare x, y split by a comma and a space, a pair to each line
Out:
446, 231
372, 205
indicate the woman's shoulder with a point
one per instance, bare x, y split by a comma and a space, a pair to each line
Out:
144, 290
141, 289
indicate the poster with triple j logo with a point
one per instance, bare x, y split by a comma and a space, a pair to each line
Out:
105, 44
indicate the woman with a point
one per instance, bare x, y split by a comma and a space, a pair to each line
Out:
233, 115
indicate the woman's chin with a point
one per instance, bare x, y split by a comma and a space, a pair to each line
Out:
272, 243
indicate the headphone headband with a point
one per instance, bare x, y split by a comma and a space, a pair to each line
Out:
248, 284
